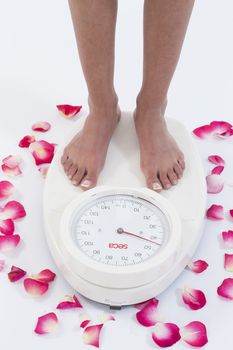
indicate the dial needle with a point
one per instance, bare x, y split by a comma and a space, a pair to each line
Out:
120, 230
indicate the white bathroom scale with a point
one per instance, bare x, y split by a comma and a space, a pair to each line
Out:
121, 243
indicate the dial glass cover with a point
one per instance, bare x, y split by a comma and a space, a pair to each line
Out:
119, 229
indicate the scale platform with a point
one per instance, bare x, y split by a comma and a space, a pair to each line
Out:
122, 169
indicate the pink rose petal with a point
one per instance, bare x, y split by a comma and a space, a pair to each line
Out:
26, 141
44, 170
12, 210
225, 134
198, 266
225, 290
44, 276
194, 334
8, 243
2, 265
12, 161
35, 288
6, 189
214, 183
16, 274
228, 262
84, 320
41, 126
147, 315
231, 212
68, 111
203, 131
227, 237
69, 302
217, 160
91, 335
46, 324
42, 151
7, 227
217, 170
11, 171
215, 212
215, 128
220, 126
105, 316
194, 298
165, 334
144, 303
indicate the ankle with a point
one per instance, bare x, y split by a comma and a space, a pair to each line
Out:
145, 103
106, 104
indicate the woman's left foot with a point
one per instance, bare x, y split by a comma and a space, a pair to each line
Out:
161, 160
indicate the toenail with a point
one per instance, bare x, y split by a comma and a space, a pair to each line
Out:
74, 182
156, 186
167, 185
86, 183
175, 181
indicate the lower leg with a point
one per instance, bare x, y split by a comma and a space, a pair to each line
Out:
94, 24
165, 25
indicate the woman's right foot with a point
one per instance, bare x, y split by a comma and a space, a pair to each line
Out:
84, 157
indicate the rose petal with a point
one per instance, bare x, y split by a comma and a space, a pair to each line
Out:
35, 288
165, 334
69, 302
46, 324
44, 276
144, 303
26, 141
7, 227
215, 212
217, 170
214, 183
147, 315
231, 212
225, 134
6, 189
2, 265
225, 290
12, 210
68, 111
84, 320
16, 274
203, 131
194, 334
44, 170
215, 159
228, 262
91, 335
198, 266
42, 151
220, 126
8, 243
194, 298
216, 128
227, 237
105, 316
11, 171
12, 161
41, 126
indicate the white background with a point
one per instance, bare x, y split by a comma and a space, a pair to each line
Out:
39, 68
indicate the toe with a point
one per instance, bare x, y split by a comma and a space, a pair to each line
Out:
152, 180
64, 158
178, 170
90, 180
67, 165
164, 180
78, 176
72, 170
181, 162
172, 176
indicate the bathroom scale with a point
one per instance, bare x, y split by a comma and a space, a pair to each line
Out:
121, 243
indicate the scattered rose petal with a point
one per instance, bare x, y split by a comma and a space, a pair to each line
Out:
26, 141
69, 302
44, 276
217, 170
228, 262
198, 266
105, 316
225, 134
143, 303
8, 243
12, 161
220, 127
46, 324
203, 131
217, 160
91, 335
215, 128
44, 170
42, 151
147, 315
231, 212
7, 227
68, 111
16, 274
214, 183
215, 212
194, 298
11, 171
84, 320
194, 334
227, 237
12, 210
2, 265
6, 189
165, 334
35, 288
225, 290
41, 126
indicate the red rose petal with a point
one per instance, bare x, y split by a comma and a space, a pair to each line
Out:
35, 288
147, 315
231, 212
228, 262
11, 171
46, 324
42, 151
198, 266
6, 189
84, 320
68, 111
217, 170
12, 161
7, 227
225, 290
8, 243
217, 160
16, 274
12, 210
165, 334
194, 334
215, 212
203, 131
144, 303
91, 335
26, 141
214, 183
194, 298
69, 302
44, 276
41, 126
227, 237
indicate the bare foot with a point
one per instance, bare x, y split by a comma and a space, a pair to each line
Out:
161, 160
84, 156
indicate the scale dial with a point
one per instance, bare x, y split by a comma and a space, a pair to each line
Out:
120, 237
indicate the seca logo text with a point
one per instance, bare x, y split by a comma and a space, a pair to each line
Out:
118, 245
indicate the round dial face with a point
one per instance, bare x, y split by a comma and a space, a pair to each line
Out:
119, 229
